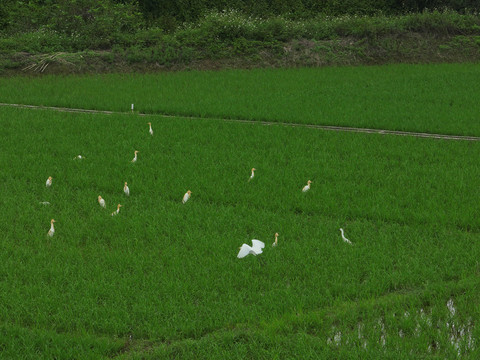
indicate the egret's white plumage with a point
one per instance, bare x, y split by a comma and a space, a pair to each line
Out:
79, 157
101, 201
150, 130
118, 210
52, 229
276, 240
344, 238
49, 182
186, 196
255, 249
306, 187
126, 189
253, 174
135, 157
44, 203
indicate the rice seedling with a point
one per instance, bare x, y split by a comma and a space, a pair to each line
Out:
162, 278
440, 98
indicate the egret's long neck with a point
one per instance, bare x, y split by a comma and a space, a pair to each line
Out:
51, 227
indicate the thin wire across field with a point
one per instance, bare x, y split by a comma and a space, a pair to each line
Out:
319, 127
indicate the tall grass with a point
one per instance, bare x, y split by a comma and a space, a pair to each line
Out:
163, 273
230, 25
214, 33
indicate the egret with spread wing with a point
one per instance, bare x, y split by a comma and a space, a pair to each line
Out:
255, 249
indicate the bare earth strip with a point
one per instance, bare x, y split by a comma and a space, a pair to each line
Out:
320, 127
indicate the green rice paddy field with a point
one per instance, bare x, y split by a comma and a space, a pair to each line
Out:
443, 98
162, 280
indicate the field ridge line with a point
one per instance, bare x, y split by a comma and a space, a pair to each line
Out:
261, 122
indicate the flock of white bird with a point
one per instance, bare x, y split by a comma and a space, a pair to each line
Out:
257, 245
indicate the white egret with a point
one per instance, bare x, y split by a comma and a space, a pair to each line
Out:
150, 130
126, 190
118, 210
52, 229
135, 157
276, 240
186, 196
344, 238
306, 187
255, 249
101, 201
79, 157
44, 203
49, 182
253, 174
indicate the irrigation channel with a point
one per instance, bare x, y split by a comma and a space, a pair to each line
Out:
278, 123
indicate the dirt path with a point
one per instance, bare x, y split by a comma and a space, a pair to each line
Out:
320, 127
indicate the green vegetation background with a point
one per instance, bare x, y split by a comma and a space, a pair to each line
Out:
161, 280
168, 14
87, 35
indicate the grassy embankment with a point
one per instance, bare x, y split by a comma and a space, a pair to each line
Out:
428, 98
232, 39
162, 279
